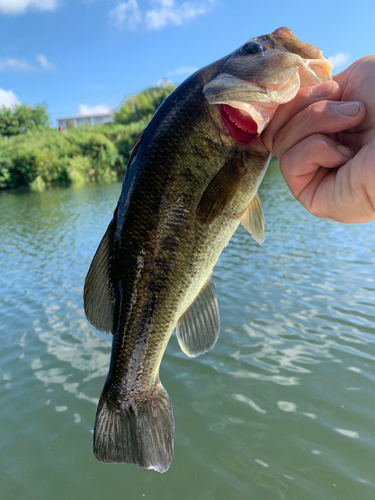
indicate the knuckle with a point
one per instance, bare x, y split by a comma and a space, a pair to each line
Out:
319, 143
316, 110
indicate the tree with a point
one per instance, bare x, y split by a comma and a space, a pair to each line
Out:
143, 105
20, 119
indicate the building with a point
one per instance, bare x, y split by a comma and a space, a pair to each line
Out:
93, 119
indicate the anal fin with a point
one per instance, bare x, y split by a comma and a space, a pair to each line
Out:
198, 328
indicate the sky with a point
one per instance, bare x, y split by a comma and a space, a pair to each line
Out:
82, 56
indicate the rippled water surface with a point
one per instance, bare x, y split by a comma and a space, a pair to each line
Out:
282, 408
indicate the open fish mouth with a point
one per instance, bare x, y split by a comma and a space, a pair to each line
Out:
250, 88
246, 120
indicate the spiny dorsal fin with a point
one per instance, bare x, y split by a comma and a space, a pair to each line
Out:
133, 150
198, 328
97, 297
253, 220
221, 190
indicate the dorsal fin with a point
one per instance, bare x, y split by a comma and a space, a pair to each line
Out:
97, 295
253, 220
198, 327
134, 148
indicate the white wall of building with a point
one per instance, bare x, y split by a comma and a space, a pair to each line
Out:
94, 119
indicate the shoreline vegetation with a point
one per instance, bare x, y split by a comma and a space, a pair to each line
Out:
35, 156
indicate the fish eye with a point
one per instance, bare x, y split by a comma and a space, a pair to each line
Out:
252, 47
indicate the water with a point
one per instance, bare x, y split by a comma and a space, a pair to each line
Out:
283, 406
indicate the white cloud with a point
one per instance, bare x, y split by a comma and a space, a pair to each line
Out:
44, 62
21, 6
339, 59
183, 70
15, 64
163, 83
22, 65
167, 12
8, 98
84, 109
126, 15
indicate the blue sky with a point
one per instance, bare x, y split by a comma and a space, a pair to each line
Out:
84, 55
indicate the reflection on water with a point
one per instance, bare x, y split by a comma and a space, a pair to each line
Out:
283, 406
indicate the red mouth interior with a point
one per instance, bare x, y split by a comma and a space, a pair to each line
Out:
241, 127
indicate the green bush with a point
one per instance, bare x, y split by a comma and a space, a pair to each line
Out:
143, 105
122, 137
36, 156
22, 118
5, 164
53, 157
79, 170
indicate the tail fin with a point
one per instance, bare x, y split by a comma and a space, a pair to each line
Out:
140, 432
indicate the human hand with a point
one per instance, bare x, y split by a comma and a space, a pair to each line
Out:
325, 141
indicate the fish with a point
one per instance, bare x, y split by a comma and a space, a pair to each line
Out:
191, 179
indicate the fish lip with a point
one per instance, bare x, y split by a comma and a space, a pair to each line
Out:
320, 69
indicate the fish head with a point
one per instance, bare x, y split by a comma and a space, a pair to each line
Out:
255, 79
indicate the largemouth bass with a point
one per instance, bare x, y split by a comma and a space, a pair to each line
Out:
192, 177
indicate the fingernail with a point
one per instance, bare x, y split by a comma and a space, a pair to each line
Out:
322, 90
345, 151
348, 108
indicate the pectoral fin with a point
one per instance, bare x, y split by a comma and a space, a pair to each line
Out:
97, 298
221, 190
253, 220
198, 328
